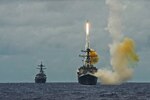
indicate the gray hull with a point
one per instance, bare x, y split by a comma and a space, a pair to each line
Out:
40, 78
87, 79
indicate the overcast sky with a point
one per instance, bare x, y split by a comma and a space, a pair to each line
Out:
53, 31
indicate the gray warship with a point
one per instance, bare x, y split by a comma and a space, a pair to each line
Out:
86, 72
41, 76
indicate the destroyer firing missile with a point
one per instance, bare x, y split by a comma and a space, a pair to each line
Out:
86, 72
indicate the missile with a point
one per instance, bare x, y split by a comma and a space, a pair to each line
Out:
87, 29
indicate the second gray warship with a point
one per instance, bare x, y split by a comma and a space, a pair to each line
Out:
41, 76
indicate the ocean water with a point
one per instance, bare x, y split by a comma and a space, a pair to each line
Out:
74, 91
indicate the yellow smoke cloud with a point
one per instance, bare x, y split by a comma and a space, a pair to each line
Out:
93, 57
122, 55
125, 51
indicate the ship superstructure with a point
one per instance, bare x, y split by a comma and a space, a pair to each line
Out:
41, 76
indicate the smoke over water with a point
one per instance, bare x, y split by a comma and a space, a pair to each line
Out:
122, 52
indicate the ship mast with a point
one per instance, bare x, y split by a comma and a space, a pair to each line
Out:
41, 67
87, 46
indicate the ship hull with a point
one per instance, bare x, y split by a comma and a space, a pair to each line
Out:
40, 80
87, 79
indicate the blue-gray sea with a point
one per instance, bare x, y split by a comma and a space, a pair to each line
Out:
74, 91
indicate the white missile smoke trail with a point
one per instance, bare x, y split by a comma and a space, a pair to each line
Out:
87, 30
114, 21
121, 50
